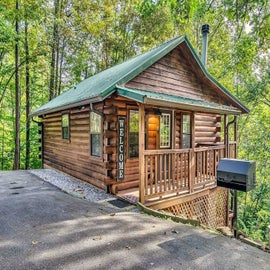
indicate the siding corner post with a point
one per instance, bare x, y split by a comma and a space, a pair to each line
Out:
141, 153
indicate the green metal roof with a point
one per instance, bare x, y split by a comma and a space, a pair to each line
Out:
98, 87
160, 99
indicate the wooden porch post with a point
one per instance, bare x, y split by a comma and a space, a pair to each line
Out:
192, 166
235, 135
141, 153
226, 135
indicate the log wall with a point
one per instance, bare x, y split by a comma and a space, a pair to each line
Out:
207, 129
173, 75
72, 156
115, 106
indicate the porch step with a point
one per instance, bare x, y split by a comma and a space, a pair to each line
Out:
130, 198
130, 195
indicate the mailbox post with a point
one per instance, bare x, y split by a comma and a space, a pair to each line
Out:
235, 229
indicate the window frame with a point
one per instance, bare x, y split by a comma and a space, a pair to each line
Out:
65, 127
169, 146
128, 132
96, 133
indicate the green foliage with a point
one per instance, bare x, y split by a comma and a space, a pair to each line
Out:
254, 207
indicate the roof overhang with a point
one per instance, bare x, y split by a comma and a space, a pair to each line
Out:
171, 101
48, 110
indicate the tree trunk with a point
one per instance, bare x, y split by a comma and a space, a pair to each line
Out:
54, 49
27, 96
17, 96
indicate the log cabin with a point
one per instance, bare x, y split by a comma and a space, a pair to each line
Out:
151, 129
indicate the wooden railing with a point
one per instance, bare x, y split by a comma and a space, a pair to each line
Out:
232, 150
206, 161
168, 173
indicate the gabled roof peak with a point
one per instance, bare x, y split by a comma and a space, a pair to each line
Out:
99, 86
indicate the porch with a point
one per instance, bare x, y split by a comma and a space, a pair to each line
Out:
171, 174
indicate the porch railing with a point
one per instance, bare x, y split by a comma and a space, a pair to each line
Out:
167, 173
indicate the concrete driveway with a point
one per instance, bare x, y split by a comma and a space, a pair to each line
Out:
42, 227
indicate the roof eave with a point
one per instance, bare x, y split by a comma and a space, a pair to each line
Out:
191, 107
67, 106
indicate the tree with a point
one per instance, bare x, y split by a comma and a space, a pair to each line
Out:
27, 91
17, 94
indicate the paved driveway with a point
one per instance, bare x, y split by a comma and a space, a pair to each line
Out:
42, 227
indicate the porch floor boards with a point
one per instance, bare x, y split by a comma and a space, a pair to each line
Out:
132, 194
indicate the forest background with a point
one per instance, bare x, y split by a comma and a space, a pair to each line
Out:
47, 46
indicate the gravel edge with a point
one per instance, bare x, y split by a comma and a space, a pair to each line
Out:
73, 186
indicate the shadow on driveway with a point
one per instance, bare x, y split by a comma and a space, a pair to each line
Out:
44, 228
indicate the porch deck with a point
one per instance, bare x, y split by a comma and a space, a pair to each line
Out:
171, 174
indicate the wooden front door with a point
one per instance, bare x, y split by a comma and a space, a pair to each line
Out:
152, 132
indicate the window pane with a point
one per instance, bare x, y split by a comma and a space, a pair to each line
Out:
133, 121
96, 145
133, 144
186, 123
186, 141
95, 134
65, 133
65, 120
165, 131
133, 136
95, 123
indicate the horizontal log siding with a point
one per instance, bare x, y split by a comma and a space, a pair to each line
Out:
173, 75
207, 129
114, 107
73, 156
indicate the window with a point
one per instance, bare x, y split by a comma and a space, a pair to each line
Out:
133, 134
95, 134
165, 131
65, 127
186, 131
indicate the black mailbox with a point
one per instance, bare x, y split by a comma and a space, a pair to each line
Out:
236, 174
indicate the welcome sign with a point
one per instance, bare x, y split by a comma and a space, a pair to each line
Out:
121, 147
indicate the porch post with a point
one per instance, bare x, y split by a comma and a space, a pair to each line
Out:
192, 166
235, 135
226, 135
141, 153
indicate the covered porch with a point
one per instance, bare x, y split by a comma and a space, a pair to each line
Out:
173, 173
